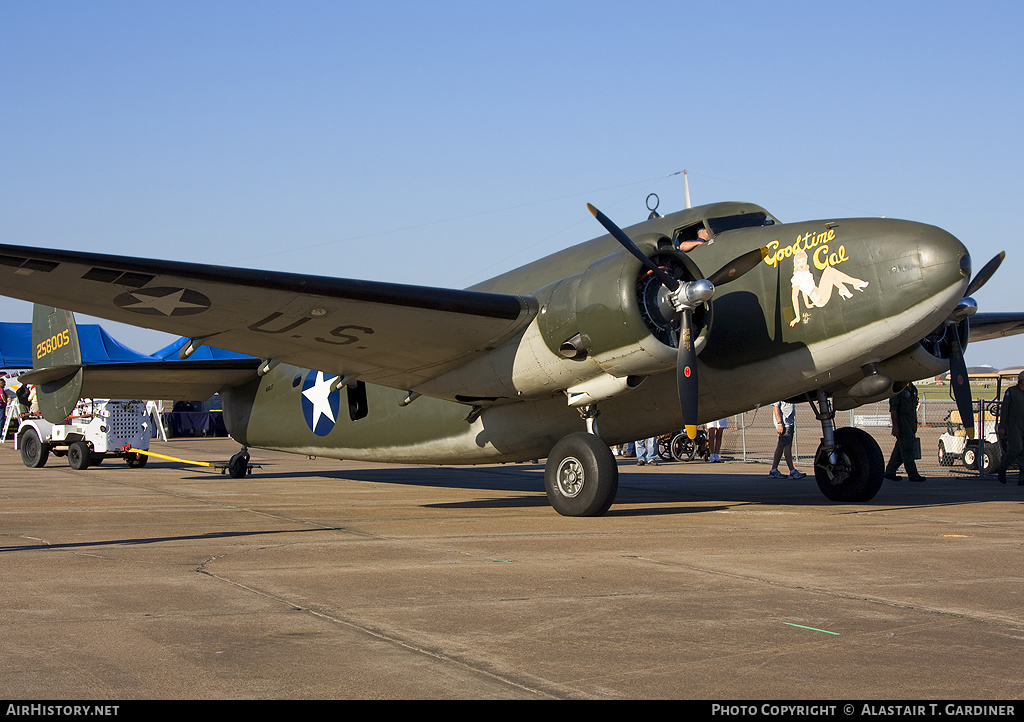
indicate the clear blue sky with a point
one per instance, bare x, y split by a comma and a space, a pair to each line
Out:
440, 143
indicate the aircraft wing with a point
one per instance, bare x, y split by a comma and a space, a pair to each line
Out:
384, 333
985, 326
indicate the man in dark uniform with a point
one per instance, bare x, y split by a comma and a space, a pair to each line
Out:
1011, 429
903, 413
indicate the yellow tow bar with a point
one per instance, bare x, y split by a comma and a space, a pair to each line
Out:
224, 468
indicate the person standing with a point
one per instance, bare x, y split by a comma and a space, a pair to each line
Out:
785, 426
716, 429
1010, 430
647, 452
903, 415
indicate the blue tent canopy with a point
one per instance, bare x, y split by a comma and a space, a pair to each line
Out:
98, 347
15, 345
206, 353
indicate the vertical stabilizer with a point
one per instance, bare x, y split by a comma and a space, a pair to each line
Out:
55, 348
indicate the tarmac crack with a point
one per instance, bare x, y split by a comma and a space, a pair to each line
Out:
534, 689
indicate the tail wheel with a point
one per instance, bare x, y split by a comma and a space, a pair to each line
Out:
581, 477
239, 464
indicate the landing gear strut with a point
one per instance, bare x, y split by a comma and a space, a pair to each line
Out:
848, 465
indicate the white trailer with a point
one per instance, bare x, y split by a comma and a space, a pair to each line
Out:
99, 428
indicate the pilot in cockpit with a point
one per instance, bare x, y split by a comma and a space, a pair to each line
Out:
702, 237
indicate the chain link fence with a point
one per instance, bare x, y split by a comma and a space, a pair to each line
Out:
751, 436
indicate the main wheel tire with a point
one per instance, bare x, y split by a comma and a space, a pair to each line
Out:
581, 477
79, 455
33, 451
858, 475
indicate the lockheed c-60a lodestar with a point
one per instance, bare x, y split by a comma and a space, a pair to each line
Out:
676, 321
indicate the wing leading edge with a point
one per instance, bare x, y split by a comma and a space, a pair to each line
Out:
391, 334
986, 326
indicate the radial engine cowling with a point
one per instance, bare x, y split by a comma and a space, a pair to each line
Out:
616, 317
939, 344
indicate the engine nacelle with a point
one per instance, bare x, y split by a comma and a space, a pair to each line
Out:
595, 330
617, 315
915, 363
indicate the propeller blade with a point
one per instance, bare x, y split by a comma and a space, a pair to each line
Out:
686, 374
960, 384
627, 243
982, 276
738, 266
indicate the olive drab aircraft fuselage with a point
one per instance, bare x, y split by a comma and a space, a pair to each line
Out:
631, 334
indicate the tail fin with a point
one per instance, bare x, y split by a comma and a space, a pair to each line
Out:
58, 356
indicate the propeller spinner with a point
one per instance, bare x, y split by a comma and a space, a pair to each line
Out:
685, 297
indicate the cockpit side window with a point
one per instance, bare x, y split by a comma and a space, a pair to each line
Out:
743, 220
687, 233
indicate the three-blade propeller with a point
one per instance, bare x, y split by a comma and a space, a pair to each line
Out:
685, 297
958, 379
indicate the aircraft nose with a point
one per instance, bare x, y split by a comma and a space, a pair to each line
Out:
921, 258
965, 264
940, 247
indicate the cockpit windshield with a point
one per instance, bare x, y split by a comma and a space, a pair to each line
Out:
743, 220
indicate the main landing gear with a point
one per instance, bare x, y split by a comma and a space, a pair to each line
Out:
581, 477
848, 465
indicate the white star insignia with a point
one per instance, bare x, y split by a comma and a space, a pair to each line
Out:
319, 395
166, 304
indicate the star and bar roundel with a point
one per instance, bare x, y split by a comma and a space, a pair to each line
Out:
319, 404
163, 302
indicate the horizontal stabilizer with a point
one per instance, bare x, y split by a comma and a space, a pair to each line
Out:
176, 380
